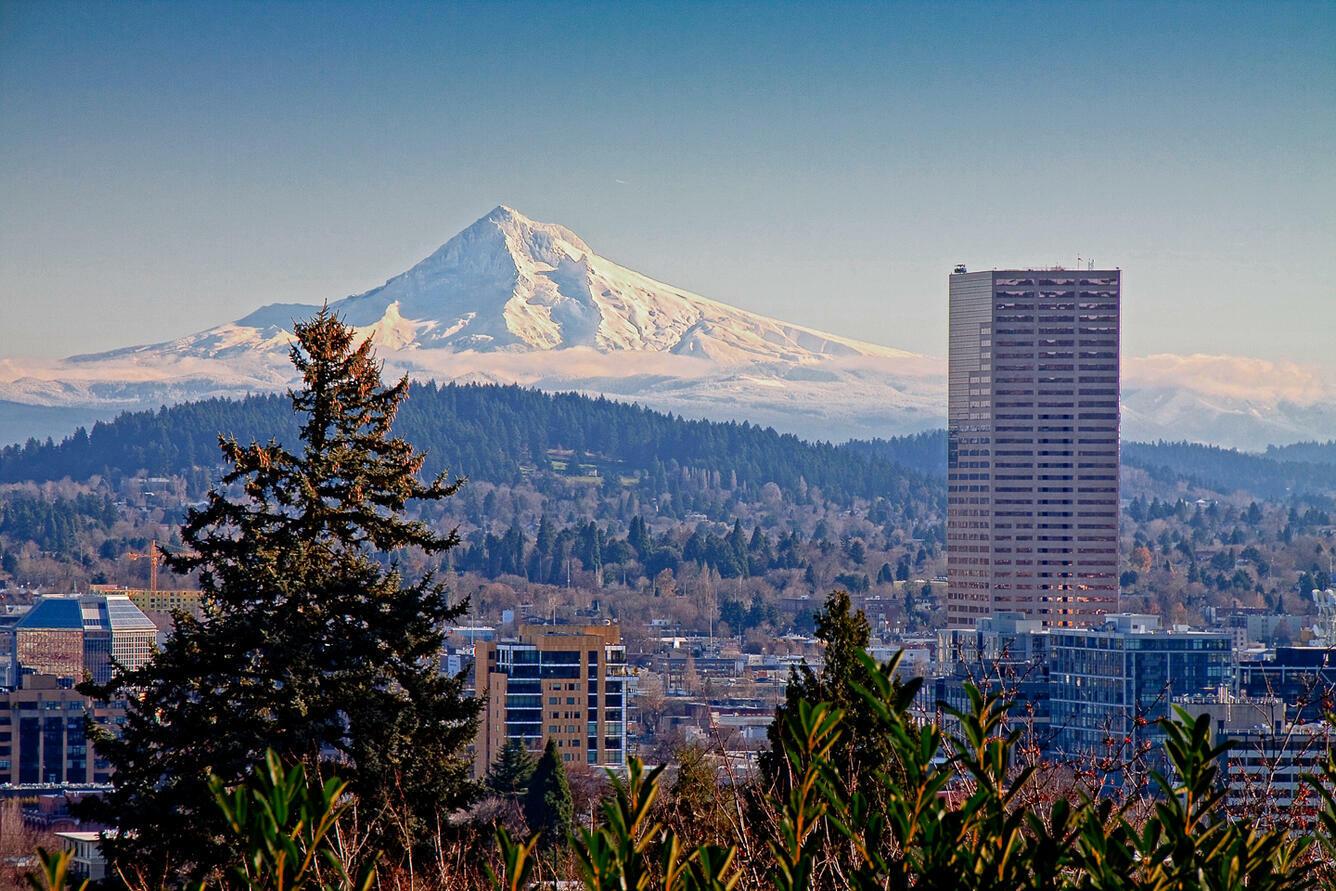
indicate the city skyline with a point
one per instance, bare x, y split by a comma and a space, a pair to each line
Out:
581, 445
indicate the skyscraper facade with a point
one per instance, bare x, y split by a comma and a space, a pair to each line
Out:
1032, 444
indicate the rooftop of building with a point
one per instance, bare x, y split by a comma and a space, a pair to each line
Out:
88, 612
1009, 622
961, 269
1140, 624
1303, 657
536, 635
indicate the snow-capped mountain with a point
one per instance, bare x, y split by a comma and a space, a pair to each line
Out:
1237, 401
514, 300
508, 283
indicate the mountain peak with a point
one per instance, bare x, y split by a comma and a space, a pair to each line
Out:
505, 211
526, 236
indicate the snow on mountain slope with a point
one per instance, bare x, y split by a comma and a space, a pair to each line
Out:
508, 283
513, 300
1236, 401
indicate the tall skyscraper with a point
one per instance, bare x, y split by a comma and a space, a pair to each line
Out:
1032, 444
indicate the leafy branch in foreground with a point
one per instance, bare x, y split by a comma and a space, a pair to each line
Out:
289, 829
55, 871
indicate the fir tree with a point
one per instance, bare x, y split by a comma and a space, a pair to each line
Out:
548, 806
862, 752
511, 772
311, 644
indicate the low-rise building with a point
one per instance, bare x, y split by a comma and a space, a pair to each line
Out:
1268, 757
163, 601
87, 860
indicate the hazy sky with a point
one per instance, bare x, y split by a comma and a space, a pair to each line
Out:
166, 167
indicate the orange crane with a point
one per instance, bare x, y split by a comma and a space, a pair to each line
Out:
154, 557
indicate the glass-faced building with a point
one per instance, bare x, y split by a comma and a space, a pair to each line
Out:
78, 637
1032, 444
1005, 654
564, 683
1304, 678
1108, 685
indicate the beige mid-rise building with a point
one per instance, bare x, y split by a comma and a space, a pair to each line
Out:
558, 682
43, 734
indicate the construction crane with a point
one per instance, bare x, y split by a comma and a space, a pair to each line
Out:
154, 557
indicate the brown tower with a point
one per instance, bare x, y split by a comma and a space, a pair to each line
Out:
1032, 444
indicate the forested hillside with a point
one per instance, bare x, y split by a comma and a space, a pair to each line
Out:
502, 434
565, 488
564, 491
924, 452
1228, 471
1307, 452
496, 434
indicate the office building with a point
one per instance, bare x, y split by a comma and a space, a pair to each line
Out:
1109, 685
1032, 445
564, 683
81, 636
1268, 759
9, 617
1304, 678
43, 738
165, 601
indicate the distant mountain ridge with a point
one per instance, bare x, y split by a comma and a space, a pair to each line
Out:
1228, 470
497, 434
1306, 452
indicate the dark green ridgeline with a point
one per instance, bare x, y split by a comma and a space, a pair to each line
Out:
1277, 474
490, 433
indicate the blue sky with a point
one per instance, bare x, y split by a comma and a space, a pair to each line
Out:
166, 167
